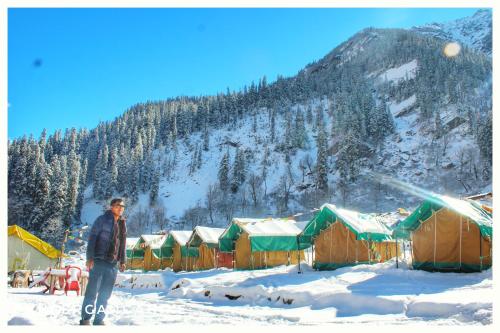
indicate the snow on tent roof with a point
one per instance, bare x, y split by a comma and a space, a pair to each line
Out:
131, 242
153, 241
181, 236
364, 226
264, 234
207, 235
157, 242
466, 208
361, 223
270, 227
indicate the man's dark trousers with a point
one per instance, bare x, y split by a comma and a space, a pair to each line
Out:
102, 278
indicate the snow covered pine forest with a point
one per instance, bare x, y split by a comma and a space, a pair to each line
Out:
384, 102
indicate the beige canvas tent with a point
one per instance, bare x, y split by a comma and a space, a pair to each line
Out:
206, 239
151, 244
449, 234
26, 251
262, 243
343, 237
176, 249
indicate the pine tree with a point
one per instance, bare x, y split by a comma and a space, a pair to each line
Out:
73, 167
319, 119
239, 172
199, 158
300, 133
309, 115
206, 139
254, 122
273, 125
438, 125
105, 179
321, 160
42, 196
223, 173
59, 188
348, 156
113, 180
155, 188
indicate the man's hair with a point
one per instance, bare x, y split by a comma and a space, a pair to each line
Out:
116, 201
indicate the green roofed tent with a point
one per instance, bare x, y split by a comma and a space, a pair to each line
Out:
364, 226
205, 235
206, 240
260, 243
343, 237
466, 208
176, 247
151, 246
448, 234
264, 234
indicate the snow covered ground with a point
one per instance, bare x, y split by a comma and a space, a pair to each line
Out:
377, 294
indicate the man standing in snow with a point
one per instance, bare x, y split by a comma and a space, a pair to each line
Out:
105, 251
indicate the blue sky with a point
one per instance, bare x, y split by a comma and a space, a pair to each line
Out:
75, 67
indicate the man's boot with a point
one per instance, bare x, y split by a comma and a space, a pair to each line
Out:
84, 322
99, 322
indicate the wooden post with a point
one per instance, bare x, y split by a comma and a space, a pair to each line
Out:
397, 260
186, 256
233, 252
161, 258
480, 252
52, 284
59, 263
298, 254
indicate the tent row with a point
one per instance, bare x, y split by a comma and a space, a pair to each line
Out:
244, 244
337, 236
179, 250
443, 233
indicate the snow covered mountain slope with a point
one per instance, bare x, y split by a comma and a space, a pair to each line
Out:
472, 31
385, 102
439, 108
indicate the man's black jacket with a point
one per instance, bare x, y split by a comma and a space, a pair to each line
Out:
101, 239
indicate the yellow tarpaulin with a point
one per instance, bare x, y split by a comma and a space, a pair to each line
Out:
34, 241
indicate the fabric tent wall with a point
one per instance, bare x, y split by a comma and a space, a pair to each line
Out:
166, 262
151, 259
337, 246
180, 262
21, 255
246, 259
189, 263
135, 263
177, 258
136, 259
386, 250
224, 259
447, 241
207, 258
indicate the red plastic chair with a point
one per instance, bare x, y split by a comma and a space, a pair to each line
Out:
72, 281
